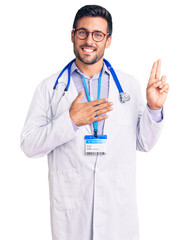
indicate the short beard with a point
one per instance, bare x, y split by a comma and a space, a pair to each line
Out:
93, 61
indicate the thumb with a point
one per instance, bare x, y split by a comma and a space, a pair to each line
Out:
79, 97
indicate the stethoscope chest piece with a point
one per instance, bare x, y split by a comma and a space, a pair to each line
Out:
124, 97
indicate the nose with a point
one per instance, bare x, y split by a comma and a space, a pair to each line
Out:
89, 38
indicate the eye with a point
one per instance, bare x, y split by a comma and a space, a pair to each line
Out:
98, 35
82, 32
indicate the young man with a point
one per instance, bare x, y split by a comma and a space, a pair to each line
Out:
93, 196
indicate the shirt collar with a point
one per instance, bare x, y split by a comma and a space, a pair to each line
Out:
74, 68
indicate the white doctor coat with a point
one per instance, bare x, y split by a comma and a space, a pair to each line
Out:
91, 197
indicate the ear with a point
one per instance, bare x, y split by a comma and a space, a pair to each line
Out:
72, 35
108, 42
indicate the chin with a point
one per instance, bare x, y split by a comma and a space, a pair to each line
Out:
89, 61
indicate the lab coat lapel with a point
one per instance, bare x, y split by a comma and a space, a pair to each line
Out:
71, 94
113, 97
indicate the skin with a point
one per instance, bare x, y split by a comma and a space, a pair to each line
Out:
91, 64
157, 89
86, 61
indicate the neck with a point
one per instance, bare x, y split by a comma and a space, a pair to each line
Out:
89, 69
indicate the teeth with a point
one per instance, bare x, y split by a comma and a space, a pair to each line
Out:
88, 50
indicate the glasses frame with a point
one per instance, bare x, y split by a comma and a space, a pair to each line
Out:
105, 34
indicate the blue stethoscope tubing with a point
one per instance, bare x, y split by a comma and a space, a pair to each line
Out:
68, 66
114, 76
123, 96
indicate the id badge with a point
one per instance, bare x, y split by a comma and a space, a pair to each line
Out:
95, 145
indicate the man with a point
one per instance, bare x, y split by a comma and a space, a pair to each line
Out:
93, 196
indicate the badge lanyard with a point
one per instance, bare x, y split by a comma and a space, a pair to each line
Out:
95, 124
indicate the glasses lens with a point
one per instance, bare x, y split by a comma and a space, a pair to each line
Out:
98, 36
81, 34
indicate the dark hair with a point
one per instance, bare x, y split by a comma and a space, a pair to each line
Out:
94, 11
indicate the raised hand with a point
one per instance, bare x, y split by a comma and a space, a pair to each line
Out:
87, 113
157, 88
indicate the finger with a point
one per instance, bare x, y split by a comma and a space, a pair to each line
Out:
160, 83
103, 111
99, 118
98, 101
158, 69
163, 81
157, 84
165, 88
152, 74
79, 97
102, 106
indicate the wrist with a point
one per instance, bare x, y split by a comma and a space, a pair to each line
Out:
153, 107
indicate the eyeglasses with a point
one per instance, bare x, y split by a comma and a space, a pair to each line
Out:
97, 36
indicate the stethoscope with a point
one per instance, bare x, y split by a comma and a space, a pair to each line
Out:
124, 97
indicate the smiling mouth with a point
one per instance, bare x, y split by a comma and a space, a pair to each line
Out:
88, 50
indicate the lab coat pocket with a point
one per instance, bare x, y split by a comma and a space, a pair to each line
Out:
66, 189
125, 185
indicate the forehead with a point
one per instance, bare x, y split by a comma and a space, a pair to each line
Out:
93, 23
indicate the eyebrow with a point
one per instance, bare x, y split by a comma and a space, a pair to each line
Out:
82, 28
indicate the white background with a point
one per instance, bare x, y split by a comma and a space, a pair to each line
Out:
35, 43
